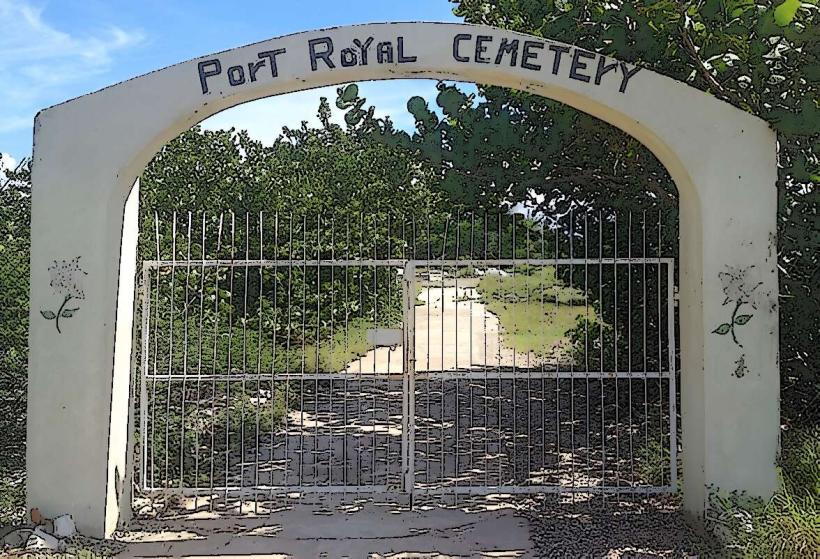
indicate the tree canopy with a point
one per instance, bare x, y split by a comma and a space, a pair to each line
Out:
505, 147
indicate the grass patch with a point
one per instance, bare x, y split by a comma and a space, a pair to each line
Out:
788, 524
534, 307
800, 460
12, 499
342, 348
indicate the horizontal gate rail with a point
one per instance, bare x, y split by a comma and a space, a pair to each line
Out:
466, 374
400, 263
548, 489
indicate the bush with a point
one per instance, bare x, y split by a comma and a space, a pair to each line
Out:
788, 525
800, 461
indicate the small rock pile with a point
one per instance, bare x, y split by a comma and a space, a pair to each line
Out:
50, 535
44, 534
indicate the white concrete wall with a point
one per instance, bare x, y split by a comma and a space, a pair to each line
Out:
89, 151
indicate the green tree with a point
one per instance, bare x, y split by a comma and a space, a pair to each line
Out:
510, 146
15, 215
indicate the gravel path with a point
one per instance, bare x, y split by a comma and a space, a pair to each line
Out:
655, 528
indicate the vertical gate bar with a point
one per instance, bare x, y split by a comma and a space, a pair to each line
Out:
287, 468
389, 281
543, 423
317, 423
471, 383
571, 230
629, 345
374, 448
513, 475
166, 479
501, 438
185, 357
673, 415
406, 310
146, 326
528, 469
486, 366
230, 360
586, 343
557, 368
156, 356
347, 346
213, 367
441, 363
332, 345
199, 362
243, 384
275, 323
660, 342
645, 342
457, 407
258, 396
411, 388
410, 373
405, 250
601, 342
428, 382
615, 342
359, 444
303, 355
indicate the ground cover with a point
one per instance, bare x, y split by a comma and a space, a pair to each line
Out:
535, 308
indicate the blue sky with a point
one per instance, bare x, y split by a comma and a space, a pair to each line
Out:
53, 50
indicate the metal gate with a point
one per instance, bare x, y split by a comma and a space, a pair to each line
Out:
356, 364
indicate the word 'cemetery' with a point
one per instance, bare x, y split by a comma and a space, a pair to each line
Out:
529, 54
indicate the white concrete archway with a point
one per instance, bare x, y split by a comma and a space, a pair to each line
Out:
89, 152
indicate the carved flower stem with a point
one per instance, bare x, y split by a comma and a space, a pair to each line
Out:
59, 312
732, 329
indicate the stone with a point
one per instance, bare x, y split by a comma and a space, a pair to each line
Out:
64, 526
42, 540
15, 538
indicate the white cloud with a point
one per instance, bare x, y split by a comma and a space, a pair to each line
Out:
37, 60
7, 162
265, 118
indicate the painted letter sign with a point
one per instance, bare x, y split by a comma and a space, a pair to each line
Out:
533, 55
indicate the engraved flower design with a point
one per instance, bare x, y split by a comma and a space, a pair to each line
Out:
742, 290
67, 281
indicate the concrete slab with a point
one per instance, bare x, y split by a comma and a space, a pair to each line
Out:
313, 530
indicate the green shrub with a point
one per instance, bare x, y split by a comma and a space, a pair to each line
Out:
536, 310
12, 501
788, 525
800, 461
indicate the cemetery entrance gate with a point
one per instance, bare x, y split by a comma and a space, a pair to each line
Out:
463, 355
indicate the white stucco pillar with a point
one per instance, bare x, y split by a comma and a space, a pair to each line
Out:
84, 234
89, 151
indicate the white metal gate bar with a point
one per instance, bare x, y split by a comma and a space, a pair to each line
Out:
256, 379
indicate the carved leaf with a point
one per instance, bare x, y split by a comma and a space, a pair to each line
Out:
48, 315
723, 329
742, 319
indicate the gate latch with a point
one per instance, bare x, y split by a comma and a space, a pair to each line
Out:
385, 336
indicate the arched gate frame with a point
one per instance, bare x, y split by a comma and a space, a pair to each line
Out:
90, 151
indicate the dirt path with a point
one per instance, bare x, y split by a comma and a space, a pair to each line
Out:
454, 331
